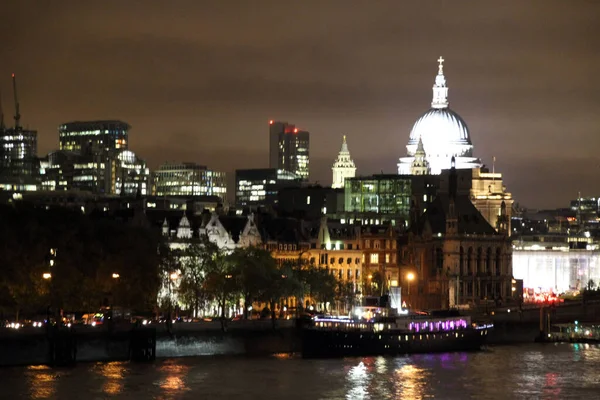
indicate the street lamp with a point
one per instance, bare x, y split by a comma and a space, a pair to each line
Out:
410, 277
116, 276
46, 275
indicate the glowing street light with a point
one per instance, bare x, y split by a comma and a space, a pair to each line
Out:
174, 276
410, 277
46, 275
116, 276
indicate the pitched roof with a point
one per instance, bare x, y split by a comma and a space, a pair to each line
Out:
470, 220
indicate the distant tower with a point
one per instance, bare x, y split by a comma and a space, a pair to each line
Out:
289, 148
420, 165
343, 167
19, 167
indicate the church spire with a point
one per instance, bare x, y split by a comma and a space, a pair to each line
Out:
343, 167
420, 165
440, 90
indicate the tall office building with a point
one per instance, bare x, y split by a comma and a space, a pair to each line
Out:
189, 179
94, 157
288, 148
18, 152
91, 137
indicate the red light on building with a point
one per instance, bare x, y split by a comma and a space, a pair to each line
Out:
13, 75
271, 122
295, 130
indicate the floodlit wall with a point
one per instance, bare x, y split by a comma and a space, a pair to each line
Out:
555, 269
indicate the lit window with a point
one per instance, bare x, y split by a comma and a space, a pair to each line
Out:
307, 200
374, 258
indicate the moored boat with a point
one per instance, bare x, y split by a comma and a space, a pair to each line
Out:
403, 334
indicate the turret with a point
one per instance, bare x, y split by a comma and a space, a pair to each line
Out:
343, 167
420, 165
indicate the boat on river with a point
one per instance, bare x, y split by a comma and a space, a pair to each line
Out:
423, 332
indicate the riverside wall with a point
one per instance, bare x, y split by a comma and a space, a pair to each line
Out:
31, 346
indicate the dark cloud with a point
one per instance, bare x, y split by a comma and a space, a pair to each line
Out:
199, 80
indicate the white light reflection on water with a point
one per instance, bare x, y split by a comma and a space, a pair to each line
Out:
358, 381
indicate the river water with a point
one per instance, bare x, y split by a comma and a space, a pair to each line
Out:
533, 371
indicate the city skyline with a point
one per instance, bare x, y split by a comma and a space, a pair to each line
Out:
204, 89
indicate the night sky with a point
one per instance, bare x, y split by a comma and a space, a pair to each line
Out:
199, 81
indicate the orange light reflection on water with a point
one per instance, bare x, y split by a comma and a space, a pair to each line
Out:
113, 372
410, 382
42, 381
174, 382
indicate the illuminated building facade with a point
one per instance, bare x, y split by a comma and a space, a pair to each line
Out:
18, 164
443, 134
289, 149
555, 268
132, 175
92, 137
259, 187
343, 167
118, 173
189, 179
382, 194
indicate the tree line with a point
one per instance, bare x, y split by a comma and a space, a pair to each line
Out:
203, 274
64, 259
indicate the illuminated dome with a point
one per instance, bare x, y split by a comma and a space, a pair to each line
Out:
443, 132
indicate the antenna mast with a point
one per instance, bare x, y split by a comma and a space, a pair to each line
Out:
17, 114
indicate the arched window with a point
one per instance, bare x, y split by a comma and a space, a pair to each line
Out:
340, 260
439, 258
498, 261
488, 261
470, 261
349, 260
461, 262
480, 261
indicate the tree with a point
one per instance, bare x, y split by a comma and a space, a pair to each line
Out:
321, 284
252, 270
218, 283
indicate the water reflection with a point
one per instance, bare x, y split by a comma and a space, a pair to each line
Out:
410, 382
551, 389
113, 372
358, 381
42, 382
175, 380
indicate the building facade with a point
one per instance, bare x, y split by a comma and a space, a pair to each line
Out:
289, 149
343, 167
256, 188
93, 137
456, 257
381, 194
19, 167
189, 179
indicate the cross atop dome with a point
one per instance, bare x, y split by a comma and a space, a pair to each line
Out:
440, 90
